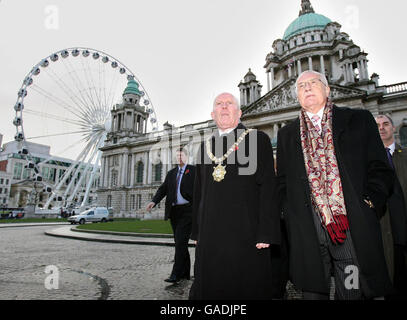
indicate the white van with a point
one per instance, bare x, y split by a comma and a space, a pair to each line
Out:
97, 214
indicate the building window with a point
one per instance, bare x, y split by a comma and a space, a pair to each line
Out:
157, 172
139, 201
132, 202
45, 172
26, 173
1, 181
403, 136
140, 172
114, 178
18, 167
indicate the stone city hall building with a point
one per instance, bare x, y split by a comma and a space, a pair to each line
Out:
134, 163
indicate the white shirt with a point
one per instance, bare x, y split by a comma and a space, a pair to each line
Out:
180, 199
320, 113
226, 131
392, 148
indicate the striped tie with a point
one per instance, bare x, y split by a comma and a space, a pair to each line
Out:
315, 120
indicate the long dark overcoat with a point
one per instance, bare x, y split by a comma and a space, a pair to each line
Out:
364, 172
231, 216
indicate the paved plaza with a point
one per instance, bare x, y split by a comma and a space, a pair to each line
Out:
87, 270
52, 262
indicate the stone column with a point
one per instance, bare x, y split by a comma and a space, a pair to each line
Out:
146, 167
350, 71
366, 70
299, 66
309, 63
150, 169
275, 130
272, 78
124, 162
103, 170
132, 169
345, 76
268, 81
321, 58
289, 71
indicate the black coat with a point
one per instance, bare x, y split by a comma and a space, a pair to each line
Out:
230, 217
397, 202
168, 188
364, 171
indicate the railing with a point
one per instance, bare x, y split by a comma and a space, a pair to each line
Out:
396, 88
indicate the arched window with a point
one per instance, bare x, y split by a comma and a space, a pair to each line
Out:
403, 136
114, 178
139, 172
157, 172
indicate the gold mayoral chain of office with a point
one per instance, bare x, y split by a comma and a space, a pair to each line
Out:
220, 171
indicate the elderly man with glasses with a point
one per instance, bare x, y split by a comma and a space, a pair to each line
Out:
334, 180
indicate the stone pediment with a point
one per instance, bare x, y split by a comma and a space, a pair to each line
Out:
284, 97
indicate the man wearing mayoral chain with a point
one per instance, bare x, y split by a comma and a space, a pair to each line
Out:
235, 218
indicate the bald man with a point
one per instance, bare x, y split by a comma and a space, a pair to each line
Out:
234, 221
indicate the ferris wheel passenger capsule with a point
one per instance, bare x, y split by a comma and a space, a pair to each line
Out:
17, 121
114, 64
28, 81
19, 136
44, 63
122, 70
36, 71
75, 52
105, 59
64, 54
54, 57
18, 106
22, 93
95, 55
85, 53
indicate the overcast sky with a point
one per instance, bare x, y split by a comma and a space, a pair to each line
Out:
184, 52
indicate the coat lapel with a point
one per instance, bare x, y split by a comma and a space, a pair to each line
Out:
340, 121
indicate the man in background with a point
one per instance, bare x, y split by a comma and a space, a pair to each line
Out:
396, 205
178, 190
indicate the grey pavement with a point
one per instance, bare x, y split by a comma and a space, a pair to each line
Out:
86, 270
106, 265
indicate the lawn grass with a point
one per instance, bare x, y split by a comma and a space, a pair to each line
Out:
131, 225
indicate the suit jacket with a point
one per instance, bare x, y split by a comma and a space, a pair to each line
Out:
397, 202
364, 171
168, 188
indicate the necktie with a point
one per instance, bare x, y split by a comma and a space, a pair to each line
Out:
390, 157
315, 120
179, 174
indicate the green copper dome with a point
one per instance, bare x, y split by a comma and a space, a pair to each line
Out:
306, 22
132, 87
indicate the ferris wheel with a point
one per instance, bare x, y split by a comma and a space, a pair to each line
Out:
65, 102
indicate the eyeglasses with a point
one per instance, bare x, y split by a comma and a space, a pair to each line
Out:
312, 83
224, 103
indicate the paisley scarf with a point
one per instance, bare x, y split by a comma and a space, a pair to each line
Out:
323, 174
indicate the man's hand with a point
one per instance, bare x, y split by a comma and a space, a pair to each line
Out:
150, 206
262, 245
